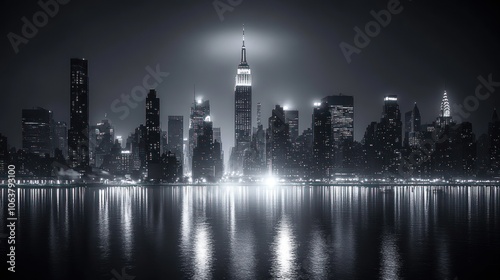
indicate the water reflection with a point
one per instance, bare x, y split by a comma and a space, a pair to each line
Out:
253, 232
284, 251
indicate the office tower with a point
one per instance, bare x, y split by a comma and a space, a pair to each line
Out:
342, 113
412, 127
292, 118
372, 159
322, 141
203, 154
389, 133
163, 141
78, 134
278, 142
176, 137
4, 155
60, 138
153, 136
494, 141
200, 110
102, 138
464, 151
242, 110
136, 142
37, 131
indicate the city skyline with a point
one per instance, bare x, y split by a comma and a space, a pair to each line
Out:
293, 64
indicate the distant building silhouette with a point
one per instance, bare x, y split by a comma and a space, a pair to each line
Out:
37, 131
60, 138
176, 137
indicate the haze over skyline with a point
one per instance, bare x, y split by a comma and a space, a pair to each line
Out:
292, 47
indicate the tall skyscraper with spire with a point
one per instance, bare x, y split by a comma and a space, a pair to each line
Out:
242, 110
444, 118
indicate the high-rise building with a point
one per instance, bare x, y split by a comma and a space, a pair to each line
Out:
242, 110
203, 154
444, 118
292, 118
200, 110
78, 134
37, 131
494, 141
153, 136
60, 138
322, 141
342, 113
412, 127
176, 136
389, 134
102, 138
278, 142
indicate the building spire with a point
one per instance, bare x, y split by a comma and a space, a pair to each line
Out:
445, 106
243, 49
194, 95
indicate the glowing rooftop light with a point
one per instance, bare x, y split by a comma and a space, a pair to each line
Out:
388, 98
317, 104
198, 101
207, 119
286, 108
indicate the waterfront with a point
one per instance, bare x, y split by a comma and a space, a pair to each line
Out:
257, 232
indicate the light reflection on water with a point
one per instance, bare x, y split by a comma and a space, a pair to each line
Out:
252, 232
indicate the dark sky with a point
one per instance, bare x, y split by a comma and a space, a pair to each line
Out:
293, 50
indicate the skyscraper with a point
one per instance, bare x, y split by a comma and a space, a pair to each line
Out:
203, 154
342, 113
153, 136
292, 118
176, 136
444, 117
60, 138
102, 138
389, 134
242, 109
200, 110
322, 141
78, 134
37, 131
278, 142
412, 127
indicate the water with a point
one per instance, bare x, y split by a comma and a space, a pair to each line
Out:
255, 232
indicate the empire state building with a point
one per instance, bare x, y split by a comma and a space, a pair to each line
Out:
242, 111
243, 102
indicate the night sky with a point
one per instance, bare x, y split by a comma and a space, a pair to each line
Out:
292, 48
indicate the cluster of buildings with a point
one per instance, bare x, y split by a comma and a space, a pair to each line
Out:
398, 145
